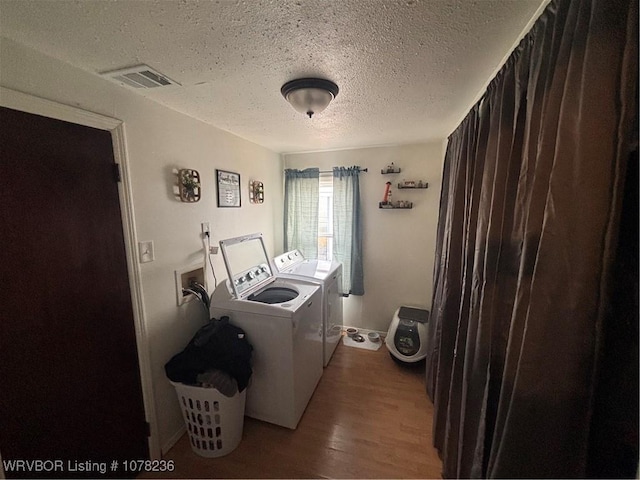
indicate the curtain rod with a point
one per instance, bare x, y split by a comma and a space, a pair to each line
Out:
331, 171
359, 169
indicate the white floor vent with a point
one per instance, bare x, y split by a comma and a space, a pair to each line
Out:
140, 76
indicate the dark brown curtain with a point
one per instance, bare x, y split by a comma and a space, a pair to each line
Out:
529, 221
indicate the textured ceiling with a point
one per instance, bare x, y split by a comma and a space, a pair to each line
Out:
407, 70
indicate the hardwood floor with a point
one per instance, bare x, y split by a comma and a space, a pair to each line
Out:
368, 418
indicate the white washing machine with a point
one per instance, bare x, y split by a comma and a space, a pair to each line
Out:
328, 275
282, 320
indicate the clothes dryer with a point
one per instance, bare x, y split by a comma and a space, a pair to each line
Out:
282, 321
327, 274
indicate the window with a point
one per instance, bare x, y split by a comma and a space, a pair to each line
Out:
322, 219
325, 217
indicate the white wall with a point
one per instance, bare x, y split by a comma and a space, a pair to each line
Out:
158, 140
399, 245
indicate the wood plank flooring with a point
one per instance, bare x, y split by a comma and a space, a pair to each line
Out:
368, 418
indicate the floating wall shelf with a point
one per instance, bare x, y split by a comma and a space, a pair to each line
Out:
405, 185
413, 185
396, 205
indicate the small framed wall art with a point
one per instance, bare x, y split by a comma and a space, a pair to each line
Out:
256, 191
228, 188
189, 185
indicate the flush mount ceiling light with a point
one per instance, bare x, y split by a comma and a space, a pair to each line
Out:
309, 95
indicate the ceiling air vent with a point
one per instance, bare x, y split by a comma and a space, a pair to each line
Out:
140, 76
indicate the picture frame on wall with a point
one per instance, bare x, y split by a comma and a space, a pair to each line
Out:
228, 188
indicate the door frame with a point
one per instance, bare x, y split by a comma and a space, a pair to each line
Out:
47, 108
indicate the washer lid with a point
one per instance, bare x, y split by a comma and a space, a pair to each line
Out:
247, 264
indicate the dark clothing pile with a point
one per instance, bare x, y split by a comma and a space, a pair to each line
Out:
216, 346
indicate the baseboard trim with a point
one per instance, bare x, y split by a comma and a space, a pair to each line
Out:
173, 440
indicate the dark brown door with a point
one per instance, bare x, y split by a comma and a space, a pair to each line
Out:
69, 376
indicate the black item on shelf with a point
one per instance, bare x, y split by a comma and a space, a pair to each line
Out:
217, 345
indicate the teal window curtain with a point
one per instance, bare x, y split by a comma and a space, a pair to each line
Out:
347, 228
301, 196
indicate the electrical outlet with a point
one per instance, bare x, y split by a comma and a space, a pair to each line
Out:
213, 250
205, 227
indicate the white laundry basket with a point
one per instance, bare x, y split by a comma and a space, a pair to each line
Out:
214, 421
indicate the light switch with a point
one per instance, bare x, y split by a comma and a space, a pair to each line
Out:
145, 251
